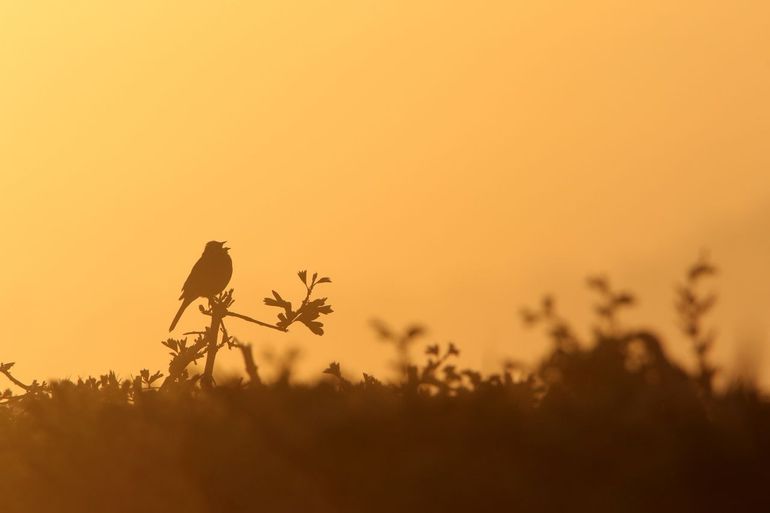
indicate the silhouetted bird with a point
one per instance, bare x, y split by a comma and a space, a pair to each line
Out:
208, 277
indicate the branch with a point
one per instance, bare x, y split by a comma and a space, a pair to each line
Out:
5, 369
248, 360
249, 319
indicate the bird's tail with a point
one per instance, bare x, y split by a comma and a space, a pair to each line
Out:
182, 308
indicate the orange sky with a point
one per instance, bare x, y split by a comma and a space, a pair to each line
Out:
442, 163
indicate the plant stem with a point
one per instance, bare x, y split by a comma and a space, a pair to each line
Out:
212, 336
15, 381
249, 319
251, 367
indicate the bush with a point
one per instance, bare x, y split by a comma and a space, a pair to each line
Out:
610, 424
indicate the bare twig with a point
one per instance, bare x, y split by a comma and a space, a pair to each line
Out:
5, 369
249, 319
248, 361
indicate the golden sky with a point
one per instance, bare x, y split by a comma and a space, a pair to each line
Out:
443, 162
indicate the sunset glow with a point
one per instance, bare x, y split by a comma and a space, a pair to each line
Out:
444, 164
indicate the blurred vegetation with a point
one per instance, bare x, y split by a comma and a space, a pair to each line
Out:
609, 424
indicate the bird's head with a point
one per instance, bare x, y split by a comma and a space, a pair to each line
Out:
215, 246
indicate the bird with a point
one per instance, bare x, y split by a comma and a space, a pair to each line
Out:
209, 276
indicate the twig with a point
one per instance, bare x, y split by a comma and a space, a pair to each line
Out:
248, 361
249, 319
4, 369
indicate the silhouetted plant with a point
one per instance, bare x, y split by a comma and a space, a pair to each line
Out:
282, 362
402, 342
334, 370
309, 310
427, 375
692, 307
610, 304
183, 355
248, 360
609, 423
208, 342
559, 330
148, 379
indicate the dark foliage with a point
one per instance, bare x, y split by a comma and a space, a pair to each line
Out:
309, 310
606, 425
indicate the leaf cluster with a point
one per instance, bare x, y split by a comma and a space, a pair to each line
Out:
309, 309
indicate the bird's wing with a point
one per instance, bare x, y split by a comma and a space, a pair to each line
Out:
193, 281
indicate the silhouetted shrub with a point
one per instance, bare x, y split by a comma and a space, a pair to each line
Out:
603, 425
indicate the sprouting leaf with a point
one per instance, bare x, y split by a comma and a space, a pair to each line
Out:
598, 283
278, 301
302, 276
333, 369
324, 280
548, 305
528, 316
315, 327
701, 269
382, 330
450, 373
624, 299
415, 331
